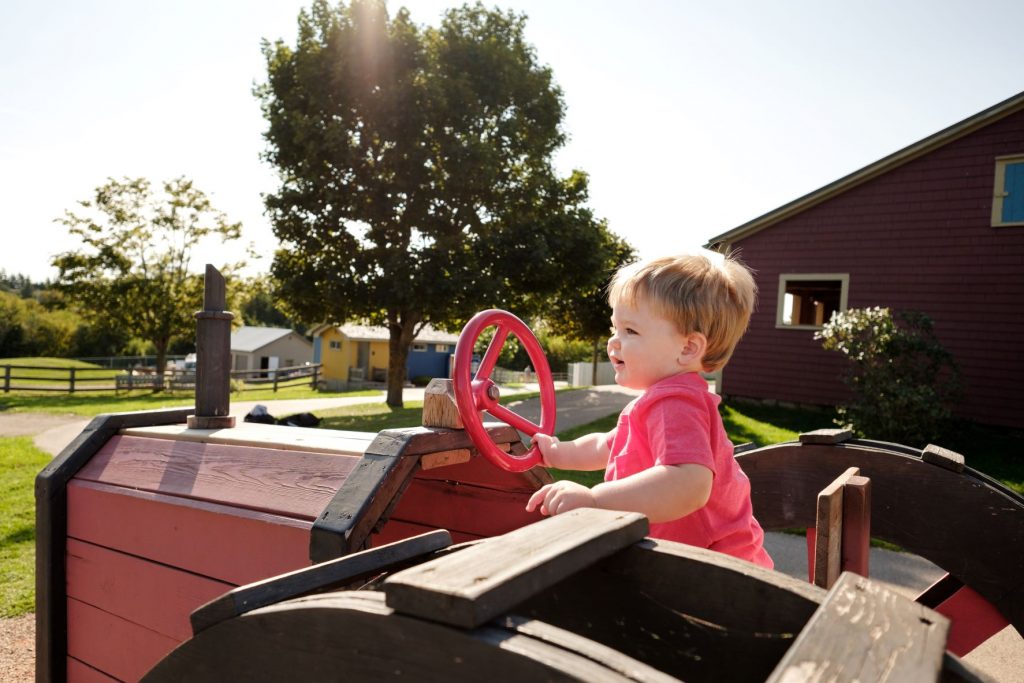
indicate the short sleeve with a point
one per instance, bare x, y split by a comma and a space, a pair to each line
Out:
679, 432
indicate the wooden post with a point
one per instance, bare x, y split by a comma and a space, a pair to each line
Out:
275, 382
316, 372
7, 379
213, 357
71, 389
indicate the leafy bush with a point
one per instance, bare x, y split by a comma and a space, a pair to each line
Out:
902, 379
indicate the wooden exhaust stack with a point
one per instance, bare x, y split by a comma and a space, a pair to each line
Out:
213, 357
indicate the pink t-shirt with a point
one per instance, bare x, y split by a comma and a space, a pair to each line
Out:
676, 422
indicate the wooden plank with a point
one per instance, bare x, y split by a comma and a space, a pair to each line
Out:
307, 439
79, 672
353, 635
362, 503
465, 508
856, 543
112, 645
826, 436
479, 471
318, 578
294, 483
943, 457
829, 530
397, 530
229, 544
474, 585
864, 631
695, 633
973, 619
51, 529
149, 594
915, 505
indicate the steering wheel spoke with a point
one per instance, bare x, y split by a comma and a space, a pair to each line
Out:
515, 419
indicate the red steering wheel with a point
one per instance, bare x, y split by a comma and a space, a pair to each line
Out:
476, 394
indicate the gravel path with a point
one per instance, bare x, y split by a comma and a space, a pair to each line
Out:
18, 648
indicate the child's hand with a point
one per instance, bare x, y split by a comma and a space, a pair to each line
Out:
559, 497
548, 446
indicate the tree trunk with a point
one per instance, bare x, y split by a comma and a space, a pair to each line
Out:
593, 366
161, 361
401, 330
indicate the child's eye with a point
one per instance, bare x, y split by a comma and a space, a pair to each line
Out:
630, 330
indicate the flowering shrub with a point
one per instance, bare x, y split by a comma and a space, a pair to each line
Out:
902, 379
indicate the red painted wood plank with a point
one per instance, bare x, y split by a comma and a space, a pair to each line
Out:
292, 483
464, 508
113, 645
973, 620
149, 594
229, 544
396, 530
480, 472
78, 672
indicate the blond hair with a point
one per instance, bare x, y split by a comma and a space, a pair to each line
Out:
696, 294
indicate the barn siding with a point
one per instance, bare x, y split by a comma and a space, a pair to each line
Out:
915, 238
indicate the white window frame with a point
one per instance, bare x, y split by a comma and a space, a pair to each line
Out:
334, 345
999, 191
844, 292
440, 348
418, 347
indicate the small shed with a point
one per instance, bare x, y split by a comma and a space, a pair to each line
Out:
936, 227
268, 348
359, 353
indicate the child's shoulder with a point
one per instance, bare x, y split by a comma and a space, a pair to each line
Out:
688, 387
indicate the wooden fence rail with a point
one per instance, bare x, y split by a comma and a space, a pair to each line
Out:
69, 380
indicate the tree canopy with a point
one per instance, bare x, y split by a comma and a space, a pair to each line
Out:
133, 271
416, 178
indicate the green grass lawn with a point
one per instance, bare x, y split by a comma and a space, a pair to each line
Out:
53, 372
20, 461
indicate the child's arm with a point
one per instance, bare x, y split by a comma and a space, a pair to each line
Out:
662, 493
589, 452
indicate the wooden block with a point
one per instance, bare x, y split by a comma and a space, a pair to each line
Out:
317, 578
826, 436
864, 631
943, 457
445, 458
439, 408
475, 585
856, 544
829, 530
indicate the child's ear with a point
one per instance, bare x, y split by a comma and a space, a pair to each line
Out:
695, 345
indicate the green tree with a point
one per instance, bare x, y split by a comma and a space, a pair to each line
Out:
903, 380
133, 271
416, 177
259, 305
585, 315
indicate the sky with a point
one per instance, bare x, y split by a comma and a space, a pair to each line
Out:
691, 118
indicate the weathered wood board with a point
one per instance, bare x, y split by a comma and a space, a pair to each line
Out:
476, 584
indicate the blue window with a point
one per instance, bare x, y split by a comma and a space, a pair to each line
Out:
1008, 203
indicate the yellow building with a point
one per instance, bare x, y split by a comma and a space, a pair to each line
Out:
352, 354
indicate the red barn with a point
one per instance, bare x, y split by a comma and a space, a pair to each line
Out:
936, 227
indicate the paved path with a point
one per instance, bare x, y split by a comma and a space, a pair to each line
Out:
1001, 657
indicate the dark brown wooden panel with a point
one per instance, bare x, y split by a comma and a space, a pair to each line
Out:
474, 585
464, 508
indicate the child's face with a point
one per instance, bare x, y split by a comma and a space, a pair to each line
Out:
644, 348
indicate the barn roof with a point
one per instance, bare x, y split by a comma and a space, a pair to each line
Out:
871, 171
247, 339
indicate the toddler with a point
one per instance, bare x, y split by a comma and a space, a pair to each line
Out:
668, 457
